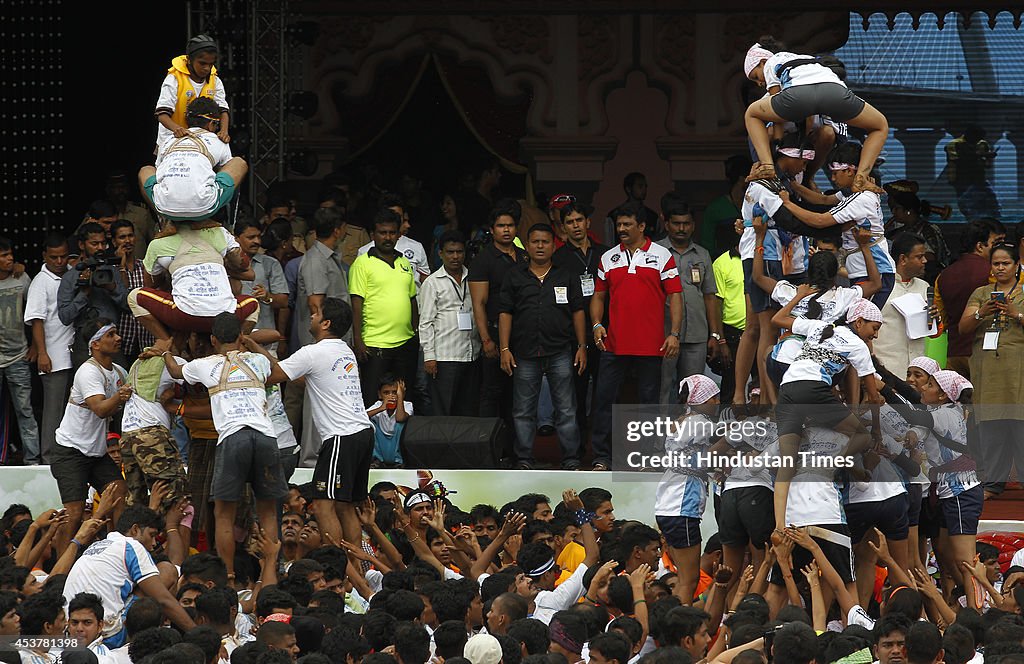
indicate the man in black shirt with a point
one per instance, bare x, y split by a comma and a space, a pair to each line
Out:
541, 320
581, 256
486, 273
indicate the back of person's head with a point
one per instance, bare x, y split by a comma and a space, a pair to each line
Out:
379, 629
248, 653
144, 613
273, 633
274, 656
822, 269
971, 619
957, 645
1004, 652
511, 650
343, 642
629, 627
309, 633
450, 638
924, 643
328, 600
226, 327
449, 603
795, 643
902, 599
532, 633
682, 622
214, 607
39, 610
272, 598
83, 656
568, 630
379, 658
495, 585
1005, 629
791, 613
201, 111
749, 656
326, 220
412, 643
512, 605
102, 209
667, 655
595, 618
151, 641
746, 633
841, 646
207, 639
612, 646
404, 605
656, 614
205, 568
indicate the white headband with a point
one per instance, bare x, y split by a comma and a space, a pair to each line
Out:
701, 387
839, 166
797, 153
416, 498
100, 333
542, 569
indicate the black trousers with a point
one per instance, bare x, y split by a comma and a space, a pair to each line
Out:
582, 384
399, 361
455, 389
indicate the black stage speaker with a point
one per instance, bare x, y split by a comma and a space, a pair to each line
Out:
453, 443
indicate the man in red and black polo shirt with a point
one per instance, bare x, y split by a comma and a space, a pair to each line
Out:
634, 278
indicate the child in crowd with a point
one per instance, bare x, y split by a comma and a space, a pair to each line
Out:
388, 416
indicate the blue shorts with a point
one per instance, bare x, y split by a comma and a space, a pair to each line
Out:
889, 515
959, 514
680, 532
225, 192
759, 300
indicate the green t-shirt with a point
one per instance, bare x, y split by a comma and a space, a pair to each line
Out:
728, 271
387, 294
719, 211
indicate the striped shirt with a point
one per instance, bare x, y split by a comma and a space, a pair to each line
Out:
134, 337
440, 302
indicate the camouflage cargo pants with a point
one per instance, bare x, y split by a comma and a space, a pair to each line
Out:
150, 454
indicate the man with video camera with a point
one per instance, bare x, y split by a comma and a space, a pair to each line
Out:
92, 289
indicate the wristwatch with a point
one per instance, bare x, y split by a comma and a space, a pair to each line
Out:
977, 315
677, 335
716, 336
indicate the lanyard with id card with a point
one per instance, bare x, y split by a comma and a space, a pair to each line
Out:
464, 318
587, 284
695, 274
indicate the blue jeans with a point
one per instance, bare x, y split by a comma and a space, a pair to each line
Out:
526, 382
19, 382
386, 448
613, 371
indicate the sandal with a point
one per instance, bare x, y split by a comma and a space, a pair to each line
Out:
863, 183
761, 172
600, 467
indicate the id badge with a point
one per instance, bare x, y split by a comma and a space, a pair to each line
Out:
465, 320
587, 284
694, 275
561, 295
991, 341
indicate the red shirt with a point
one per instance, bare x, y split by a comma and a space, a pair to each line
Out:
637, 286
955, 285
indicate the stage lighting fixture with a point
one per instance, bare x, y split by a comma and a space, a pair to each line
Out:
303, 162
303, 104
304, 32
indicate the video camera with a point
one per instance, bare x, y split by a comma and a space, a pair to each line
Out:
102, 265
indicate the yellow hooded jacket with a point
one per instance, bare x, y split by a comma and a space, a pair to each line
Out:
179, 69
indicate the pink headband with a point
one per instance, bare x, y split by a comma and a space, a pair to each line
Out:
952, 383
925, 364
839, 166
864, 309
754, 57
797, 153
701, 387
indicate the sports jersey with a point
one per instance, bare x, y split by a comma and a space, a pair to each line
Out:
637, 286
185, 173
894, 426
743, 476
238, 407
683, 490
864, 208
823, 360
814, 497
808, 74
948, 420
834, 303
111, 568
80, 428
779, 245
886, 479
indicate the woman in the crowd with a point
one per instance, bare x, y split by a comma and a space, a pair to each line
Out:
995, 316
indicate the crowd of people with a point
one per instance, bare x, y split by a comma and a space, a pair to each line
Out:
191, 359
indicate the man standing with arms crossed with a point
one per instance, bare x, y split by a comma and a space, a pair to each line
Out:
636, 276
332, 382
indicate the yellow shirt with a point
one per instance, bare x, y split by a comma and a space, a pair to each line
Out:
569, 559
387, 294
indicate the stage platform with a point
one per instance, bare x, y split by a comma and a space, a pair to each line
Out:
633, 493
